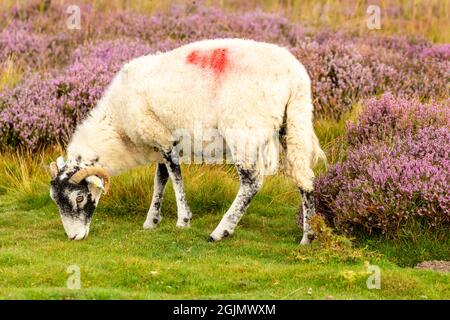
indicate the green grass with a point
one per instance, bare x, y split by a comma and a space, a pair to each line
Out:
262, 259
121, 260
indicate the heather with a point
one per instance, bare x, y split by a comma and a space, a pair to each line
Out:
396, 170
44, 110
384, 118
344, 68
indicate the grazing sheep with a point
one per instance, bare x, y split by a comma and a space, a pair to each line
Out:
249, 92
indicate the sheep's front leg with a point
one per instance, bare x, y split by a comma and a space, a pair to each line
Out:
251, 182
308, 212
172, 162
154, 213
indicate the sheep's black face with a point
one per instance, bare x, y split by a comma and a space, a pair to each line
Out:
76, 203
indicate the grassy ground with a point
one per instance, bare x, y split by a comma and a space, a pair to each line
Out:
119, 260
261, 260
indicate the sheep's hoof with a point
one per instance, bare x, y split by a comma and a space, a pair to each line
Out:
185, 223
218, 235
307, 238
151, 223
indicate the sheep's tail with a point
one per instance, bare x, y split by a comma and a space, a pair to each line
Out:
301, 143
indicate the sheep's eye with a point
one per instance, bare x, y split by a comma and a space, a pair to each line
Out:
80, 199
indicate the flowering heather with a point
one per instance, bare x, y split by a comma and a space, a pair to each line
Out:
339, 75
382, 119
19, 41
424, 78
396, 171
406, 46
45, 109
343, 68
438, 51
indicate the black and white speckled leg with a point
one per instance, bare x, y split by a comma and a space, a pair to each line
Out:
308, 212
154, 213
251, 182
171, 159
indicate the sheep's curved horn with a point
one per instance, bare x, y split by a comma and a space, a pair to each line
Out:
92, 171
53, 170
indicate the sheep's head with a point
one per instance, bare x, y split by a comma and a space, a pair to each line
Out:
76, 191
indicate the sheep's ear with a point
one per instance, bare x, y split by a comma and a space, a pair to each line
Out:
53, 170
95, 184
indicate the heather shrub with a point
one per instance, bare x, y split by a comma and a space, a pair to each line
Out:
20, 41
339, 75
344, 68
395, 171
196, 22
438, 51
34, 33
45, 109
405, 45
424, 78
384, 118
410, 66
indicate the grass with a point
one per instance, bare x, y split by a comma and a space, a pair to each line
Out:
262, 259
120, 260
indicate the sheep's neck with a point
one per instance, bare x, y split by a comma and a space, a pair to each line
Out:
96, 142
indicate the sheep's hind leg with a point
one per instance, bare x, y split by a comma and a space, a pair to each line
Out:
251, 182
171, 159
154, 213
308, 212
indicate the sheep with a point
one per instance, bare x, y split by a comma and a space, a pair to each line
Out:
248, 92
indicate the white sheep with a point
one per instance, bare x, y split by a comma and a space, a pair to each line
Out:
246, 91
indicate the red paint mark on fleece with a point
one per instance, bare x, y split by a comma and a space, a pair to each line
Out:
217, 60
